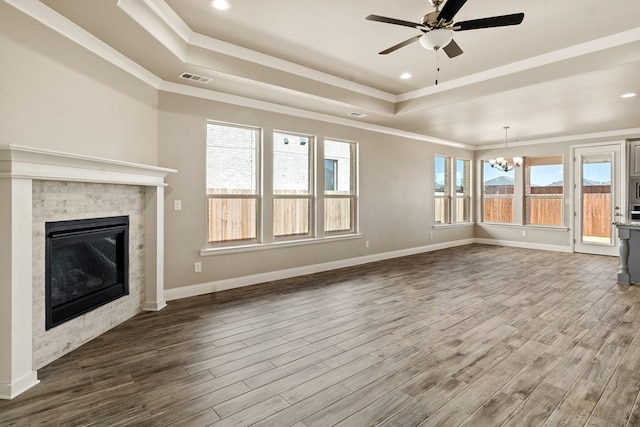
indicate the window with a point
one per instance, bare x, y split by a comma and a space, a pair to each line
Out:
232, 175
243, 208
292, 185
442, 195
543, 190
497, 194
339, 186
463, 190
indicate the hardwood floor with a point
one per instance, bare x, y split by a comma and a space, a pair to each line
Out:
472, 336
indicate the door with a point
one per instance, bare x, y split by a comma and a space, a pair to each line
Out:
597, 198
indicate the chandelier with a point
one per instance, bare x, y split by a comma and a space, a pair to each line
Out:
502, 162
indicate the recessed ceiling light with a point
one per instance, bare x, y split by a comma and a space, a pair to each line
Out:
405, 76
220, 4
629, 95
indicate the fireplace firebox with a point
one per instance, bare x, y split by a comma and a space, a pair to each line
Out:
86, 266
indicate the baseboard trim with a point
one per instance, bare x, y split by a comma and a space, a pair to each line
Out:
523, 245
154, 305
238, 282
9, 391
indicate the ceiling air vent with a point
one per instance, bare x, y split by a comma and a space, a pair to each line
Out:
195, 78
357, 115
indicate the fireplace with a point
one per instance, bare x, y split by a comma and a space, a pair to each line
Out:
86, 266
41, 186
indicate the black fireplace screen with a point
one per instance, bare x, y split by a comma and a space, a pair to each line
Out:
86, 266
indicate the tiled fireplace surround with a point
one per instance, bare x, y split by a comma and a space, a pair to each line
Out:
37, 186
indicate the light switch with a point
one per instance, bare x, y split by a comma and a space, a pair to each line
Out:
177, 205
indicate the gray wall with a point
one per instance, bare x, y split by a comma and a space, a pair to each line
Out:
396, 186
57, 95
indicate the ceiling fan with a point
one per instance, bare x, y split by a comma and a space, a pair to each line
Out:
437, 27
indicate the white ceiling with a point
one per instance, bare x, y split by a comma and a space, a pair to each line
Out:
560, 73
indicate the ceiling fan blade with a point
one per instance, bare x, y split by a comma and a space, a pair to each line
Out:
393, 21
399, 45
494, 21
452, 49
449, 10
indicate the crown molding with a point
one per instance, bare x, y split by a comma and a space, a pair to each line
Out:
161, 10
179, 89
582, 49
617, 134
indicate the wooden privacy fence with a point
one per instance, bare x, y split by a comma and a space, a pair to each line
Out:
233, 219
596, 215
442, 209
596, 209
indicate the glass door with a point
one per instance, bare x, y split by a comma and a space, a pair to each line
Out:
596, 199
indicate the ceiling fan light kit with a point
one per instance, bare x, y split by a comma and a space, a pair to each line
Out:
436, 39
437, 27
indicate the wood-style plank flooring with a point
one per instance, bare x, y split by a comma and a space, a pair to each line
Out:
471, 336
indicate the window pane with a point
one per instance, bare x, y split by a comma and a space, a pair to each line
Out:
497, 194
338, 214
544, 211
232, 183
544, 190
442, 210
442, 181
463, 190
291, 161
442, 175
596, 200
496, 182
232, 219
340, 169
291, 217
232, 154
340, 154
497, 209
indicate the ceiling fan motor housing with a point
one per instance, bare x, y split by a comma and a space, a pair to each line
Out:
431, 19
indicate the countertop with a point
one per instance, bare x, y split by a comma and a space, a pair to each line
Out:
628, 225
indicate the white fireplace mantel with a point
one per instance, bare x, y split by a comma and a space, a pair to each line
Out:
19, 166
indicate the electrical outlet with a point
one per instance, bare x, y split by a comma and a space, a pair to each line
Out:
198, 267
177, 205
431, 235
524, 233
366, 244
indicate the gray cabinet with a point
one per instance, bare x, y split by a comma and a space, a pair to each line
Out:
634, 158
629, 271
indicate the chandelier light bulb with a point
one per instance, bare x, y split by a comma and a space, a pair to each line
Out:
502, 162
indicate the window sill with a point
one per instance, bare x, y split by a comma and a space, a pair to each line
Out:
456, 225
529, 227
276, 245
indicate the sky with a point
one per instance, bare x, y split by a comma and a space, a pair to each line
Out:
540, 175
547, 174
